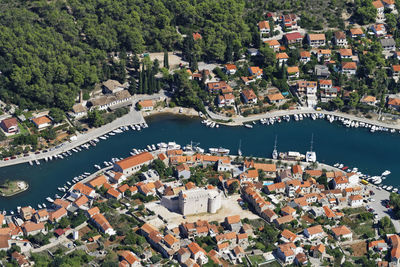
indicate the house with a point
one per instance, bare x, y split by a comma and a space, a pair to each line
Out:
301, 259
80, 202
92, 211
111, 87
287, 210
273, 44
111, 101
78, 111
21, 260
264, 28
325, 84
80, 188
297, 172
269, 215
183, 171
342, 232
396, 71
316, 39
340, 182
394, 103
282, 58
329, 93
288, 236
355, 201
230, 69
113, 193
324, 54
219, 87
58, 203
98, 181
279, 222
26, 213
289, 22
58, 214
368, 99
132, 164
286, 252
275, 187
292, 38
146, 105
233, 223
378, 29
41, 122
253, 52
129, 257
305, 56
293, 72
102, 224
275, 98
306, 87
39, 216
183, 254
322, 71
239, 252
256, 72
226, 100
349, 68
31, 228
380, 9
10, 125
388, 44
346, 53
197, 253
389, 4
318, 251
249, 97
314, 232
340, 38
356, 33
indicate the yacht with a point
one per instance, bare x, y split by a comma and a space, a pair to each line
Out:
275, 151
248, 126
219, 150
311, 156
240, 150
386, 173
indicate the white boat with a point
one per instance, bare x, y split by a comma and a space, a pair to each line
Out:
384, 187
153, 147
86, 173
296, 117
395, 190
31, 163
389, 188
313, 117
97, 166
44, 205
69, 183
49, 199
386, 173
248, 126
219, 150
40, 206
336, 165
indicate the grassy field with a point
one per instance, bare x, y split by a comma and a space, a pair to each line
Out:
256, 259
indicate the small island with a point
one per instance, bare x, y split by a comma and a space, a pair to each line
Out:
11, 188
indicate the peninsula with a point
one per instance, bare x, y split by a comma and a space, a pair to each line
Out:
11, 188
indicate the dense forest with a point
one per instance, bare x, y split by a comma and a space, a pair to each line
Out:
51, 50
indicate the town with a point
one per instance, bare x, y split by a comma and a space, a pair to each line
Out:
177, 205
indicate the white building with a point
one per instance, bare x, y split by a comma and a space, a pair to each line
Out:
199, 200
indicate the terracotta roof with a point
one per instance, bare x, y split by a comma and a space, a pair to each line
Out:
93, 211
230, 66
194, 248
288, 210
275, 97
320, 248
341, 230
265, 167
55, 215
41, 120
293, 36
10, 122
233, 219
101, 221
340, 35
128, 256
356, 31
134, 160
288, 235
82, 188
315, 229
82, 200
197, 36
113, 192
148, 228
396, 68
170, 239
146, 103
282, 56
98, 181
316, 36
355, 197
305, 54
345, 52
30, 226
284, 219
349, 65
263, 25
394, 101
377, 4
269, 213
297, 169
62, 203
294, 69
272, 42
249, 94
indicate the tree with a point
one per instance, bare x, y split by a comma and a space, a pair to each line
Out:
56, 114
166, 61
94, 118
233, 187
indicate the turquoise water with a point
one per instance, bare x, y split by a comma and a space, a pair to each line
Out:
371, 153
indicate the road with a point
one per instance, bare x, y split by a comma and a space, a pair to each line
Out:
280, 113
133, 117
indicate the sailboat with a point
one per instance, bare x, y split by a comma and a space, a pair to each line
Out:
311, 156
275, 151
239, 150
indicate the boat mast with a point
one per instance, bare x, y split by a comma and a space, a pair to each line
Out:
312, 142
275, 142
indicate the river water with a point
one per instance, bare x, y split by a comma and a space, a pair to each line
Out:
372, 153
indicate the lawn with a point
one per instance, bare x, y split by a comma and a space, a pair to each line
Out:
256, 259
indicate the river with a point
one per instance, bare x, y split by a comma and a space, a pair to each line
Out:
371, 153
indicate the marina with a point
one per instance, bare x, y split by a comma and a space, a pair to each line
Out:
333, 143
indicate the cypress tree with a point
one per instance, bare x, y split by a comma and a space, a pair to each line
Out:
166, 61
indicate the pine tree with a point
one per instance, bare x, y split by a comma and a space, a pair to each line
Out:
132, 85
166, 61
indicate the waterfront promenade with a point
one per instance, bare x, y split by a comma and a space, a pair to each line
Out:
242, 120
133, 117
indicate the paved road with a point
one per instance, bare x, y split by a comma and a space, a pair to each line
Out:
279, 113
133, 117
